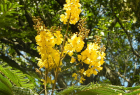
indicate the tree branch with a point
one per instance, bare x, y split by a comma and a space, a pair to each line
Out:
11, 62
129, 38
128, 35
111, 75
20, 45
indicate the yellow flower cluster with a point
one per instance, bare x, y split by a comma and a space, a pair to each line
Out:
75, 44
74, 75
46, 41
51, 57
93, 57
73, 10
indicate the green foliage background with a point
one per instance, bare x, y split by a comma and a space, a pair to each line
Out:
117, 21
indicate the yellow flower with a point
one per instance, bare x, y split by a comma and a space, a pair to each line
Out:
79, 57
82, 71
82, 79
73, 10
79, 44
59, 37
88, 72
72, 60
40, 64
70, 53
63, 18
99, 68
87, 61
74, 75
50, 57
74, 44
92, 56
94, 72
43, 81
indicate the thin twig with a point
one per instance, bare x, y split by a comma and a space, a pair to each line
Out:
41, 91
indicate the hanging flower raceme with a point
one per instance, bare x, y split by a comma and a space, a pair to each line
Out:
46, 41
73, 10
93, 55
49, 55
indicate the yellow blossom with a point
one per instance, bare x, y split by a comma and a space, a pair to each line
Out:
93, 57
75, 44
79, 57
99, 68
40, 64
74, 75
72, 60
82, 71
43, 81
50, 57
94, 72
73, 10
59, 37
82, 79
70, 53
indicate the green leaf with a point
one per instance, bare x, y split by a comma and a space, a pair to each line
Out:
5, 81
10, 75
1, 8
23, 91
4, 89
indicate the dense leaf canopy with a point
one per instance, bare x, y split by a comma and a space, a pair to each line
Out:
117, 21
